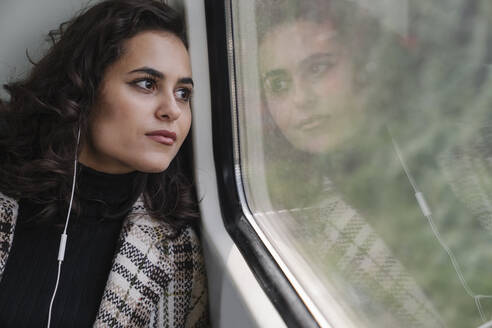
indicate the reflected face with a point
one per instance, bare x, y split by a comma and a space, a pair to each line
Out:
142, 114
307, 84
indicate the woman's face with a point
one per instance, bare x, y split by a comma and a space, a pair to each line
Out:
142, 114
307, 81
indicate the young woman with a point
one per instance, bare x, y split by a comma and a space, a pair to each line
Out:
90, 150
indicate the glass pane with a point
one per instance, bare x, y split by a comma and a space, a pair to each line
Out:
364, 139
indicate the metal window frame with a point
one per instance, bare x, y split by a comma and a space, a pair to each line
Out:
226, 154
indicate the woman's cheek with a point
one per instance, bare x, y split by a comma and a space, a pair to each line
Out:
278, 109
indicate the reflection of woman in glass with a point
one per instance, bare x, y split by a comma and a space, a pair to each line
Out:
315, 107
307, 73
330, 161
110, 101
307, 82
327, 150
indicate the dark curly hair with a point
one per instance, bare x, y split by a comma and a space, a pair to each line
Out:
39, 125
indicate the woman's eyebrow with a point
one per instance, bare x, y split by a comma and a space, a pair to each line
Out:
186, 80
148, 70
157, 74
330, 55
274, 73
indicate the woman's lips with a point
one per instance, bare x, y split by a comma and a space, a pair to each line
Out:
162, 136
312, 123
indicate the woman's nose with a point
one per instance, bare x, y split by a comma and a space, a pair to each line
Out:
303, 96
168, 108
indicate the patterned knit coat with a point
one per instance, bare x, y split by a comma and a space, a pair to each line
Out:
157, 279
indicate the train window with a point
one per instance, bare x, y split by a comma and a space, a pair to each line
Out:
363, 154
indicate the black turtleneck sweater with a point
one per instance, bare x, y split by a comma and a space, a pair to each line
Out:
30, 273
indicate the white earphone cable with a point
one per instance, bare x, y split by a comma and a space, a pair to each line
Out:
63, 239
428, 215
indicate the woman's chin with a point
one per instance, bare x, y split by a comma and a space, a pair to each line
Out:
154, 167
316, 146
151, 162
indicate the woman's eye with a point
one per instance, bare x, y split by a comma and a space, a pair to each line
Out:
183, 94
318, 69
279, 85
146, 84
